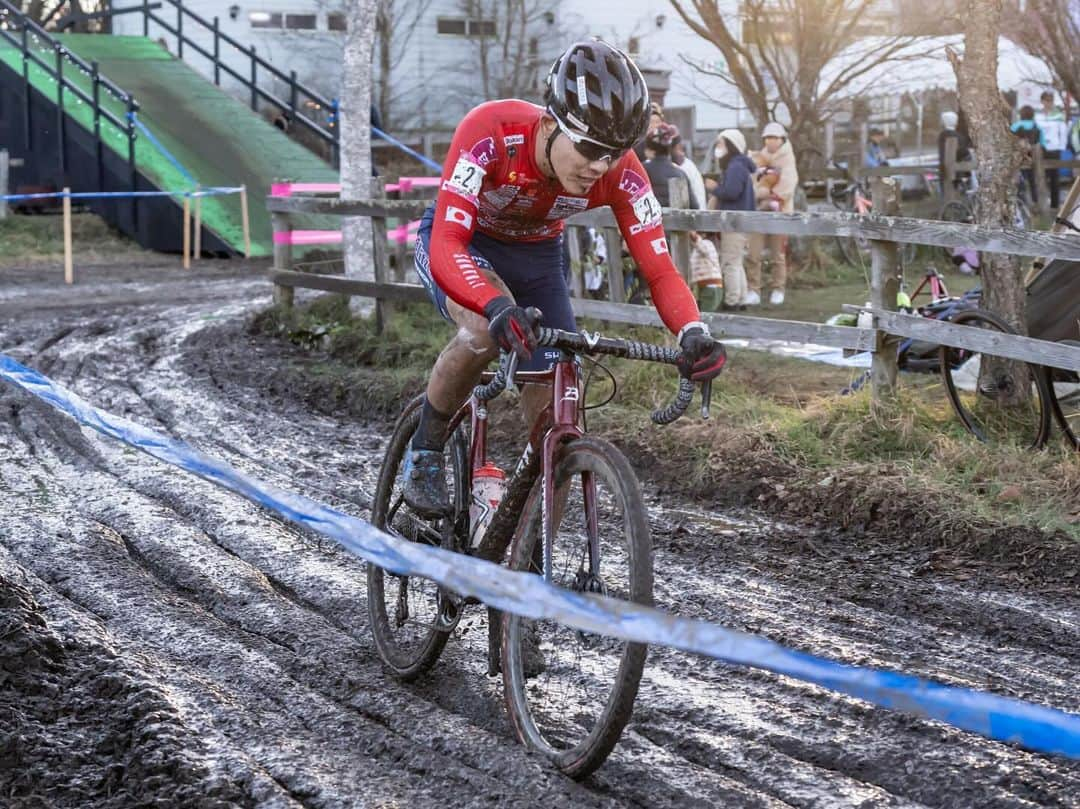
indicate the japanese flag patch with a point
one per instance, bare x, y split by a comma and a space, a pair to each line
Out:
458, 216
659, 246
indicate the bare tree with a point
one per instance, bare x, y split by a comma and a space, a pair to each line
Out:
356, 138
999, 155
1049, 29
776, 53
395, 23
508, 40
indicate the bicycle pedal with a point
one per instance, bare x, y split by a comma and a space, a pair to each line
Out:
451, 608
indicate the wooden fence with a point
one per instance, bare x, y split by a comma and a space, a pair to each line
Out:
884, 228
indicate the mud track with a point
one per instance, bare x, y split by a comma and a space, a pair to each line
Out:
163, 643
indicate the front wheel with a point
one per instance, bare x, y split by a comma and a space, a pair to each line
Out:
985, 390
570, 693
404, 611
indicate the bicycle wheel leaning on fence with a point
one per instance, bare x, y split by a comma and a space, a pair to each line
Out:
982, 388
1064, 389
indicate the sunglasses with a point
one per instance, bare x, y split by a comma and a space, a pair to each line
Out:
590, 149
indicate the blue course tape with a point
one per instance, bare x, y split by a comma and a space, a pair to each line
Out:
161, 148
205, 192
427, 161
1036, 727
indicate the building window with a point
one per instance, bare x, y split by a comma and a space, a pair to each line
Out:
335, 21
454, 26
634, 46
300, 22
264, 19
481, 28
534, 46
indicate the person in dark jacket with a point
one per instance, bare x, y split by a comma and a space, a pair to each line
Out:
734, 192
661, 168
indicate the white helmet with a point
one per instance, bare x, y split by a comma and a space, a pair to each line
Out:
738, 140
774, 130
949, 119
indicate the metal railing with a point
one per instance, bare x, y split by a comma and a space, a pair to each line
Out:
18, 30
299, 94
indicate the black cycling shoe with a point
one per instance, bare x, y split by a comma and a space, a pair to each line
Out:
425, 483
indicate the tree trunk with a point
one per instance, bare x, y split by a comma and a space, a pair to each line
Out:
998, 156
356, 143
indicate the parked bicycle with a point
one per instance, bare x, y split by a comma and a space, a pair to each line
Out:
983, 390
572, 511
854, 197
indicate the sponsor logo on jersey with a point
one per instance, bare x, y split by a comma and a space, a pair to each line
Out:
563, 207
513, 140
499, 198
468, 269
659, 246
483, 151
632, 183
458, 216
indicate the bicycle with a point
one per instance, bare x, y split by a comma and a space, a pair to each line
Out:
561, 472
982, 394
855, 198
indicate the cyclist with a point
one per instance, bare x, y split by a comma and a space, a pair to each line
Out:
491, 245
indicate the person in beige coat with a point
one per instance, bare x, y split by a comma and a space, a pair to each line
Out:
774, 190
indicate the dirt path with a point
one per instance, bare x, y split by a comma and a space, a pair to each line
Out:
163, 641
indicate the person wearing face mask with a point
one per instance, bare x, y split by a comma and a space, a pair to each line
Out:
774, 187
733, 192
490, 247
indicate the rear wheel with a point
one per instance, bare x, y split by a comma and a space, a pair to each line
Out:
404, 610
575, 709
1064, 387
983, 391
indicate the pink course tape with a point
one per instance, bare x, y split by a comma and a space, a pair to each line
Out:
307, 237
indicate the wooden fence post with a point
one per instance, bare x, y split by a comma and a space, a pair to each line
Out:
282, 223
1042, 204
245, 221
383, 309
613, 241
69, 265
679, 241
4, 169
948, 171
577, 268
884, 286
197, 248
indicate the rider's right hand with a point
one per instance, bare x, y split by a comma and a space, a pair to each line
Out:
511, 327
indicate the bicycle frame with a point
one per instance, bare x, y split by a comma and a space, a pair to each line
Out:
556, 424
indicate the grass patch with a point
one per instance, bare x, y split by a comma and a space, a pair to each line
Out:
41, 238
776, 422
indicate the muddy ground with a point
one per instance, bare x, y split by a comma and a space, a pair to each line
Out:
163, 643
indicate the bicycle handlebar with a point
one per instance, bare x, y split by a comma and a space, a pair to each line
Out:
585, 343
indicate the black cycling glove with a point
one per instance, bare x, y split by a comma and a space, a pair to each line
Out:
702, 357
511, 327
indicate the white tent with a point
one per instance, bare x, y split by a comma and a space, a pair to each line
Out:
926, 66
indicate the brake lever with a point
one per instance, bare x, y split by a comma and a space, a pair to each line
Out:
706, 397
511, 369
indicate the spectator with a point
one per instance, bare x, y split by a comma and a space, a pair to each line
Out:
874, 156
774, 188
1055, 132
734, 192
705, 273
1026, 129
660, 168
1074, 137
656, 117
951, 128
687, 167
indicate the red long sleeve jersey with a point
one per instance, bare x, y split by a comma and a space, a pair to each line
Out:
491, 183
